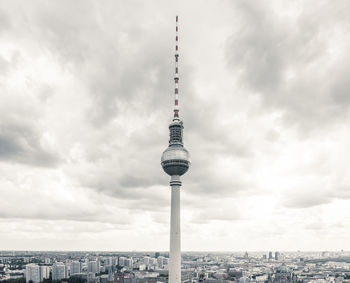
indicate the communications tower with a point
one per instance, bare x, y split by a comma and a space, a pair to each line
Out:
175, 162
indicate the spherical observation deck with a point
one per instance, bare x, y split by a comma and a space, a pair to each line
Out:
175, 160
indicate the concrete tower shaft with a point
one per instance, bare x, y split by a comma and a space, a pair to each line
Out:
175, 232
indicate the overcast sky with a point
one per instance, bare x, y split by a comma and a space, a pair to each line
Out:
86, 94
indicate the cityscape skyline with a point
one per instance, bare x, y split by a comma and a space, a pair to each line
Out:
139, 267
85, 91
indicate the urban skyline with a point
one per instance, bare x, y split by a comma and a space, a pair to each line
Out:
85, 97
196, 267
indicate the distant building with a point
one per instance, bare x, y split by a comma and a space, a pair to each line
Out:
103, 269
26, 259
146, 260
121, 261
32, 273
114, 261
93, 267
118, 278
108, 261
160, 261
58, 271
270, 255
165, 261
277, 255
104, 278
91, 277
44, 272
153, 261
110, 277
67, 264
129, 263
282, 274
244, 279
75, 267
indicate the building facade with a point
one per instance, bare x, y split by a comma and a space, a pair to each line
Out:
32, 273
58, 271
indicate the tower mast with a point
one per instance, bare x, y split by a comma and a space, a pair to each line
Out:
176, 78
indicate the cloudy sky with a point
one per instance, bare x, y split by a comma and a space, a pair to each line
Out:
85, 100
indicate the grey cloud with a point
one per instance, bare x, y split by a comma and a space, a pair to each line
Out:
215, 212
71, 226
323, 183
319, 225
8, 64
122, 69
4, 66
342, 192
134, 74
20, 142
150, 202
306, 201
81, 217
315, 226
33, 208
315, 195
4, 21
212, 184
288, 61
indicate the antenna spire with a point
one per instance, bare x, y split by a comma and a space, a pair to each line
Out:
176, 78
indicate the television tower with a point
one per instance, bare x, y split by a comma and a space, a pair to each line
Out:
175, 162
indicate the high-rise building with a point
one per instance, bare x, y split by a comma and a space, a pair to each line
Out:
146, 260
108, 261
58, 271
165, 262
152, 261
93, 267
270, 255
99, 265
32, 273
175, 162
91, 277
129, 263
277, 255
75, 267
26, 259
67, 264
44, 272
160, 261
121, 261
110, 275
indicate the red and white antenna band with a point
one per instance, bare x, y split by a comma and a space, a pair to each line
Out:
176, 78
